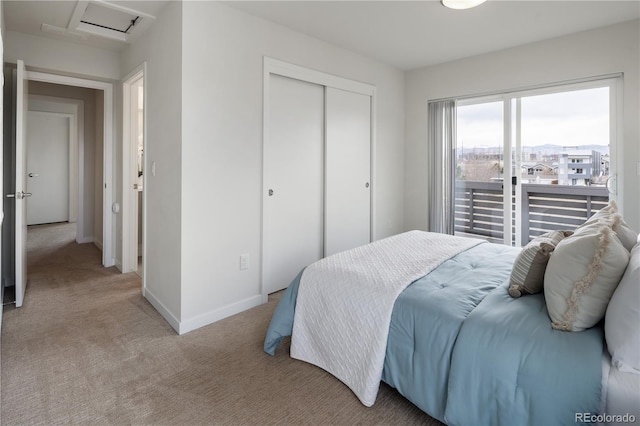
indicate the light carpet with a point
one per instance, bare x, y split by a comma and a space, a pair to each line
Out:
87, 348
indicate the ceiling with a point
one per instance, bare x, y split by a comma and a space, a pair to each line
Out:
98, 23
405, 34
412, 34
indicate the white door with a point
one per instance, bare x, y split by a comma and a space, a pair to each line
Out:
48, 168
293, 180
22, 98
348, 172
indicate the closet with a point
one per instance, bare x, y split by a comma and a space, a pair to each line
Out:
317, 171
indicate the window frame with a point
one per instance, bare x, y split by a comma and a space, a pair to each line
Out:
511, 108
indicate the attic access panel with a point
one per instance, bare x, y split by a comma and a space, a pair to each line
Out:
108, 18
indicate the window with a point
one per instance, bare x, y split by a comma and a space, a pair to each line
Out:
529, 138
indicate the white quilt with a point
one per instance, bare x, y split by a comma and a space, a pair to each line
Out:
344, 304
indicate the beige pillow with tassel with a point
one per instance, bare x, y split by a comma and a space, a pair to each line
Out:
582, 274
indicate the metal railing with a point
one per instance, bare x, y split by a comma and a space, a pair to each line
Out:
479, 208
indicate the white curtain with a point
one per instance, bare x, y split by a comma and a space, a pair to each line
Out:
441, 140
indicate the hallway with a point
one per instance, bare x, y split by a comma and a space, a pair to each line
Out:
53, 346
56, 262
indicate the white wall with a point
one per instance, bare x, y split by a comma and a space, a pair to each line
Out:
223, 52
607, 50
161, 48
61, 56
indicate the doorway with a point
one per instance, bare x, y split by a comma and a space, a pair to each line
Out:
102, 185
133, 172
83, 166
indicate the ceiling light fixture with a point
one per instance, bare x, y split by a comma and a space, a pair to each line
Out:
461, 4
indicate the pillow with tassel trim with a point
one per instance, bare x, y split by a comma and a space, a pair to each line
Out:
582, 274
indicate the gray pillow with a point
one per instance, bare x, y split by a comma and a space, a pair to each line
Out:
527, 275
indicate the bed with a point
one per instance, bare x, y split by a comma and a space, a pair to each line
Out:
458, 345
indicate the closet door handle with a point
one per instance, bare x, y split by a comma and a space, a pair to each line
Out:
271, 193
366, 185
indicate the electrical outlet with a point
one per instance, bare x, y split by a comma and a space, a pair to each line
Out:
244, 261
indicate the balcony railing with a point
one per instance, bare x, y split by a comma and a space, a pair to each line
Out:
479, 208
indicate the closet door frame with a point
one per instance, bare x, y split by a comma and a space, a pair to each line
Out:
273, 66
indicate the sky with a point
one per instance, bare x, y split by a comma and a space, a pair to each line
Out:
565, 119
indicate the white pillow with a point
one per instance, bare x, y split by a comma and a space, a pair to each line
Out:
625, 233
582, 274
622, 321
609, 214
604, 212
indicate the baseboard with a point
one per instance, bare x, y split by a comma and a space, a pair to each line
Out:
84, 240
218, 314
118, 265
162, 310
98, 244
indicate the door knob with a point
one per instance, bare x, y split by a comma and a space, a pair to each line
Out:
270, 192
19, 195
33, 174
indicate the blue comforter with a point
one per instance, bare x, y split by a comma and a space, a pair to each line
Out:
465, 352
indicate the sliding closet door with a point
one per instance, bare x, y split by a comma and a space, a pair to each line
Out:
348, 172
294, 174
